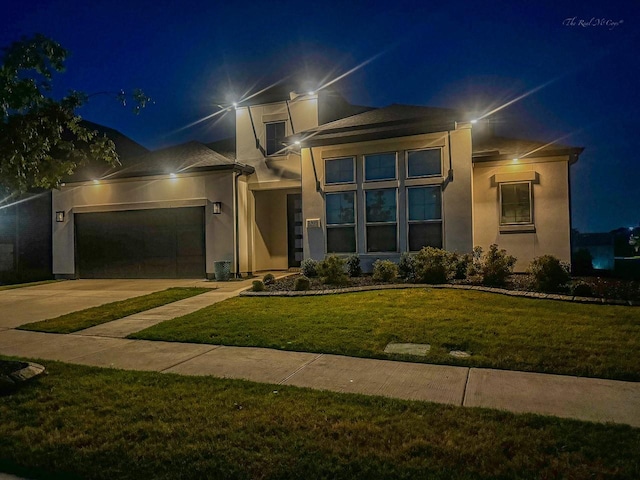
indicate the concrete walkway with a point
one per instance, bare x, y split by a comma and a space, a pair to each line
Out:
105, 346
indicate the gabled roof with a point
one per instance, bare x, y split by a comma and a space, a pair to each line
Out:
494, 147
393, 121
225, 147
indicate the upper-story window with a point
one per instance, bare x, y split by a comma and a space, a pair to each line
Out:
424, 163
515, 203
380, 166
275, 133
339, 170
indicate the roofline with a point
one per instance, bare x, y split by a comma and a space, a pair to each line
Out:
493, 156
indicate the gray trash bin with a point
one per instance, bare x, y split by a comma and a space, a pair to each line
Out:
222, 271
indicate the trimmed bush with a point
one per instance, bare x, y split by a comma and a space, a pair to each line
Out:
582, 290
301, 283
406, 267
495, 266
384, 271
548, 274
257, 286
309, 267
460, 263
331, 271
353, 266
433, 265
268, 279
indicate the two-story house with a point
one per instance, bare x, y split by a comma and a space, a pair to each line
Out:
307, 175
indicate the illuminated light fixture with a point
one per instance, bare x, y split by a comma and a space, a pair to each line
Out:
60, 216
474, 121
311, 92
172, 175
515, 160
62, 184
217, 208
235, 104
297, 142
96, 182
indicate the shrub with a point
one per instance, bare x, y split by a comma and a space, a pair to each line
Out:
495, 266
301, 283
331, 271
582, 262
268, 279
548, 273
384, 271
460, 263
353, 266
406, 267
433, 265
309, 267
582, 290
257, 286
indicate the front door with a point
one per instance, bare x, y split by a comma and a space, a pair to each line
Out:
294, 229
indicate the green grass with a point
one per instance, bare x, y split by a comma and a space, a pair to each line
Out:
499, 331
92, 423
29, 284
72, 322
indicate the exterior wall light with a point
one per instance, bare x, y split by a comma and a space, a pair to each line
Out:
217, 208
96, 182
60, 216
515, 160
172, 175
297, 142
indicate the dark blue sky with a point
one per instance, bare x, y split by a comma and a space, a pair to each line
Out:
191, 55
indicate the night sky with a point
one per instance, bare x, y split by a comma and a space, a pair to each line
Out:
191, 55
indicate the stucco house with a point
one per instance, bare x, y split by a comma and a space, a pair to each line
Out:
307, 175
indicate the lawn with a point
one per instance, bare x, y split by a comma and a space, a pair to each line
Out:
499, 331
72, 322
92, 423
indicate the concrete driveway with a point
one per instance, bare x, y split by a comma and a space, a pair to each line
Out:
30, 304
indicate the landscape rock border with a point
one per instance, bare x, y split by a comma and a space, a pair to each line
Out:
398, 286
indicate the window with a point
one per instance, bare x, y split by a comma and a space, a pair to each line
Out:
424, 163
341, 222
381, 166
339, 170
381, 220
515, 203
425, 217
275, 135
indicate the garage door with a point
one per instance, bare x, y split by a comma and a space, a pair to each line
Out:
158, 243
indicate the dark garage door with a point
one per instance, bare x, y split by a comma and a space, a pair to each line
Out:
158, 243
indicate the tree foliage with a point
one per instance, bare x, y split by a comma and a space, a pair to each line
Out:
42, 139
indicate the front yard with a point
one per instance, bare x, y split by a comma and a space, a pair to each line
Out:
92, 423
500, 332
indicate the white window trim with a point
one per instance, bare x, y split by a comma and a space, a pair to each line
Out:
364, 167
435, 175
414, 222
531, 219
375, 224
354, 225
353, 164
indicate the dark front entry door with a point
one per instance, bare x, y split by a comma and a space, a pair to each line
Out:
294, 229
156, 243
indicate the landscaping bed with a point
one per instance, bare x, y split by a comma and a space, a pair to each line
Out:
93, 423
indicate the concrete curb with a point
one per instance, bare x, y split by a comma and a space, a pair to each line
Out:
398, 286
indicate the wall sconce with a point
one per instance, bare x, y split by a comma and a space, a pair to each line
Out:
60, 216
217, 208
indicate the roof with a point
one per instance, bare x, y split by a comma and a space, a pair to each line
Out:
493, 147
186, 157
393, 121
225, 147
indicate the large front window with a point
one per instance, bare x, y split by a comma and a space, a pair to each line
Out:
425, 217
341, 222
381, 227
275, 132
515, 203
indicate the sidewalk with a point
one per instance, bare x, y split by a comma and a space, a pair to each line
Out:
571, 397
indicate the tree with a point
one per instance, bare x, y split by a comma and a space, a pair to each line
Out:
42, 139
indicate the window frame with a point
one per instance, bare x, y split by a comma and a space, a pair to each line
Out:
280, 151
505, 224
364, 167
435, 175
374, 224
328, 226
433, 221
353, 165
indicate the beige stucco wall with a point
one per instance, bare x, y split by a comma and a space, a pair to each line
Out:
550, 189
148, 193
456, 196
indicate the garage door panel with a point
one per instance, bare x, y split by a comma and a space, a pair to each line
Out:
157, 243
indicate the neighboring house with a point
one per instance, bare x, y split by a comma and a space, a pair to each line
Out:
308, 175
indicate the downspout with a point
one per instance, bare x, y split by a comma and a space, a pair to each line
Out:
315, 173
449, 178
237, 229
